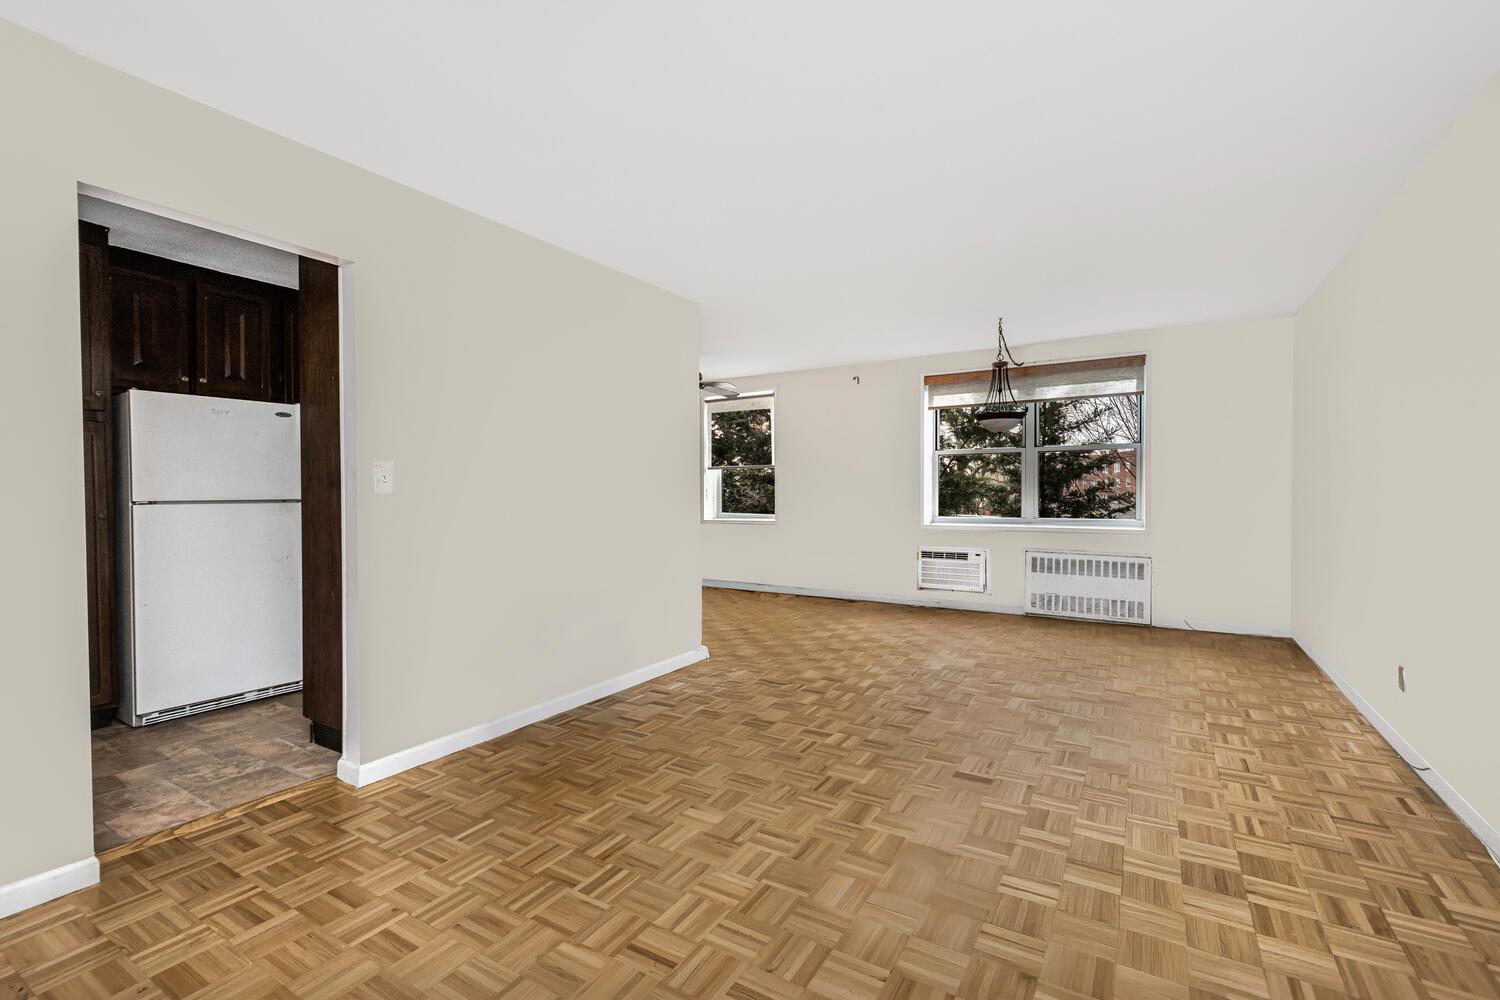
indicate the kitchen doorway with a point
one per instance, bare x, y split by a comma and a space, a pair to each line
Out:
214, 477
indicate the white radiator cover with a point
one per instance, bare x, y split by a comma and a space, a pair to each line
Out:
1099, 586
966, 570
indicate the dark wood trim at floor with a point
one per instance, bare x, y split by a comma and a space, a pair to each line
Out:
327, 737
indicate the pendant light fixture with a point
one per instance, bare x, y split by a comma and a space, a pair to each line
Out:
1000, 413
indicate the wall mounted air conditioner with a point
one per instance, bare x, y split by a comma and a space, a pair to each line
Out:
1094, 585
967, 570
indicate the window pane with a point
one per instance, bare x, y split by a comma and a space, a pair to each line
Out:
747, 491
1092, 420
740, 437
1095, 484
979, 485
958, 429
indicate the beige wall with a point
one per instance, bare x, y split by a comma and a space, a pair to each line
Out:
495, 578
1394, 478
1217, 489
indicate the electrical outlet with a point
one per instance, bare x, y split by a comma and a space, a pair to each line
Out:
385, 477
1401, 677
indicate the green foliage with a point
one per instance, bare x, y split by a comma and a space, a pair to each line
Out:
1083, 484
748, 491
976, 485
743, 438
1073, 484
739, 437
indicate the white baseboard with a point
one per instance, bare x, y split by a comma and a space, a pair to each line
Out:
958, 604
29, 892
1230, 628
1480, 827
348, 772
849, 595
360, 775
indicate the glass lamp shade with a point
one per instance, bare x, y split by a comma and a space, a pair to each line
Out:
1000, 419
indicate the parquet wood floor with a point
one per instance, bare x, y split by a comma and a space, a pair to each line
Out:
848, 802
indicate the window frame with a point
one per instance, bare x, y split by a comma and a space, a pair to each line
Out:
705, 448
1030, 451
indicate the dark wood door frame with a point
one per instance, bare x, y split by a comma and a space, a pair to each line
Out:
316, 336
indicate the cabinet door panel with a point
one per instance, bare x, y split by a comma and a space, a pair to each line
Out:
93, 287
235, 356
150, 331
99, 562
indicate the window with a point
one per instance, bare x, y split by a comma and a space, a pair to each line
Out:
739, 454
1075, 458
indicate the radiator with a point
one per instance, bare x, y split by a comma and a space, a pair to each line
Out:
1094, 585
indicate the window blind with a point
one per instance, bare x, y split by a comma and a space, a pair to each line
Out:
741, 403
1033, 383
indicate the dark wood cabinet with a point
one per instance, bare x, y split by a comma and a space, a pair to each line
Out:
235, 352
153, 323
180, 328
285, 376
151, 333
97, 535
93, 287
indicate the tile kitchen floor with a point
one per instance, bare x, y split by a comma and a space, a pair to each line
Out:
157, 777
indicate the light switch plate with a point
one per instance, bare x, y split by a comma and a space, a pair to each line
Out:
385, 477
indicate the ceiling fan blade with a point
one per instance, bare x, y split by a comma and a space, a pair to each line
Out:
726, 389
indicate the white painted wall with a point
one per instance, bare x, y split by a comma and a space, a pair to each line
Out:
498, 576
1217, 489
1395, 544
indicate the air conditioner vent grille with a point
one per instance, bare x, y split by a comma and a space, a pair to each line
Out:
1096, 586
953, 569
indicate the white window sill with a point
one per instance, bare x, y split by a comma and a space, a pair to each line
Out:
1124, 528
739, 520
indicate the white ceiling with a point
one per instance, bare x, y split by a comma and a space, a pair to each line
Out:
844, 181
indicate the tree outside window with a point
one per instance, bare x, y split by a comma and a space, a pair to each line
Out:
740, 477
1071, 459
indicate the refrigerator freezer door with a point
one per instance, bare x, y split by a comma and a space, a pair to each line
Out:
184, 447
217, 600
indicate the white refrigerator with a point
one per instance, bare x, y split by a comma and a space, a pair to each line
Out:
210, 552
